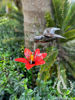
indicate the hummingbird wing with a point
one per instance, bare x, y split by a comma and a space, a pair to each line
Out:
52, 31
53, 36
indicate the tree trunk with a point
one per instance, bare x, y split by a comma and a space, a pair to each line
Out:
34, 22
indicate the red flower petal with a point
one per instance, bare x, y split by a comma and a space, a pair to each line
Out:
40, 56
23, 60
39, 62
37, 51
43, 55
29, 66
27, 53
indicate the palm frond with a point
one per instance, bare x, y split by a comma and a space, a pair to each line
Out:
64, 18
70, 17
59, 11
70, 65
69, 47
69, 35
44, 72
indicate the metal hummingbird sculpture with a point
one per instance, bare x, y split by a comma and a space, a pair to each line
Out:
50, 32
48, 35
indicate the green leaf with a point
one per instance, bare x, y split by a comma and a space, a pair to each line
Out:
70, 16
69, 35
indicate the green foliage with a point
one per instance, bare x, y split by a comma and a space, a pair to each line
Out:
44, 73
70, 35
69, 19
10, 78
45, 91
11, 32
49, 20
12, 81
15, 80
10, 42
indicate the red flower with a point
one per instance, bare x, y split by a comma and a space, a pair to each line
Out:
32, 58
